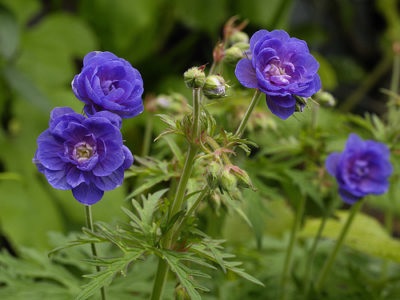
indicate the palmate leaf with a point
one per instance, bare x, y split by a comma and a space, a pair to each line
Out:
212, 250
154, 172
34, 276
143, 219
186, 276
111, 268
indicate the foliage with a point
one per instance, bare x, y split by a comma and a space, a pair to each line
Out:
231, 242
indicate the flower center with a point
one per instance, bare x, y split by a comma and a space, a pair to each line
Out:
360, 170
83, 151
277, 73
108, 85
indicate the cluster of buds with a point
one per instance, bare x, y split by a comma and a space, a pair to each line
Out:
227, 178
236, 41
213, 86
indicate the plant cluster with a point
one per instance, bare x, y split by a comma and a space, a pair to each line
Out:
222, 166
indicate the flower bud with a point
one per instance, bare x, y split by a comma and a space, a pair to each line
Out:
242, 46
228, 180
233, 54
194, 77
181, 293
238, 37
244, 178
300, 103
213, 173
214, 87
324, 99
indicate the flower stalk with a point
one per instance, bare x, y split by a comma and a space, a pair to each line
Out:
329, 262
293, 237
163, 268
89, 224
253, 104
310, 258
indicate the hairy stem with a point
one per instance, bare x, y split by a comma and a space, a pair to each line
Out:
177, 203
243, 123
89, 224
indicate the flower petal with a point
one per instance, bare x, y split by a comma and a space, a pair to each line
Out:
283, 112
332, 162
246, 74
87, 194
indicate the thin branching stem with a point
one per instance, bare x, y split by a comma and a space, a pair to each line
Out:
89, 224
253, 104
177, 203
289, 251
331, 259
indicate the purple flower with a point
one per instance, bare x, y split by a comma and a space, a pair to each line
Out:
108, 82
85, 155
362, 168
281, 67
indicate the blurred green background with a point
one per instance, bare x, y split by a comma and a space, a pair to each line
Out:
42, 44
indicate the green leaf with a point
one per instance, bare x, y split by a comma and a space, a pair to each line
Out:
146, 213
213, 251
365, 235
186, 275
9, 33
27, 90
111, 268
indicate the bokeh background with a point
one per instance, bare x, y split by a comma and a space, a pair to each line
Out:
42, 43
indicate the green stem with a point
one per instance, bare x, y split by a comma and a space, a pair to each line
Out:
89, 224
160, 280
163, 268
243, 123
289, 251
203, 194
190, 157
313, 249
329, 262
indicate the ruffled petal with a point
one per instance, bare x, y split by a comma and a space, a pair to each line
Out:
283, 112
246, 74
87, 194
332, 162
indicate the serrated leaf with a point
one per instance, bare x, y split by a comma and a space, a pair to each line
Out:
212, 250
149, 182
105, 276
149, 206
185, 274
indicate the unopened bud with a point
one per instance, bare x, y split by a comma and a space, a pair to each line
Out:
213, 173
300, 103
214, 87
242, 46
228, 180
325, 99
181, 293
238, 37
194, 77
233, 54
244, 178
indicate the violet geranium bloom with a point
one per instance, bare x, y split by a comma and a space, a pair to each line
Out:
85, 155
362, 168
281, 67
107, 82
